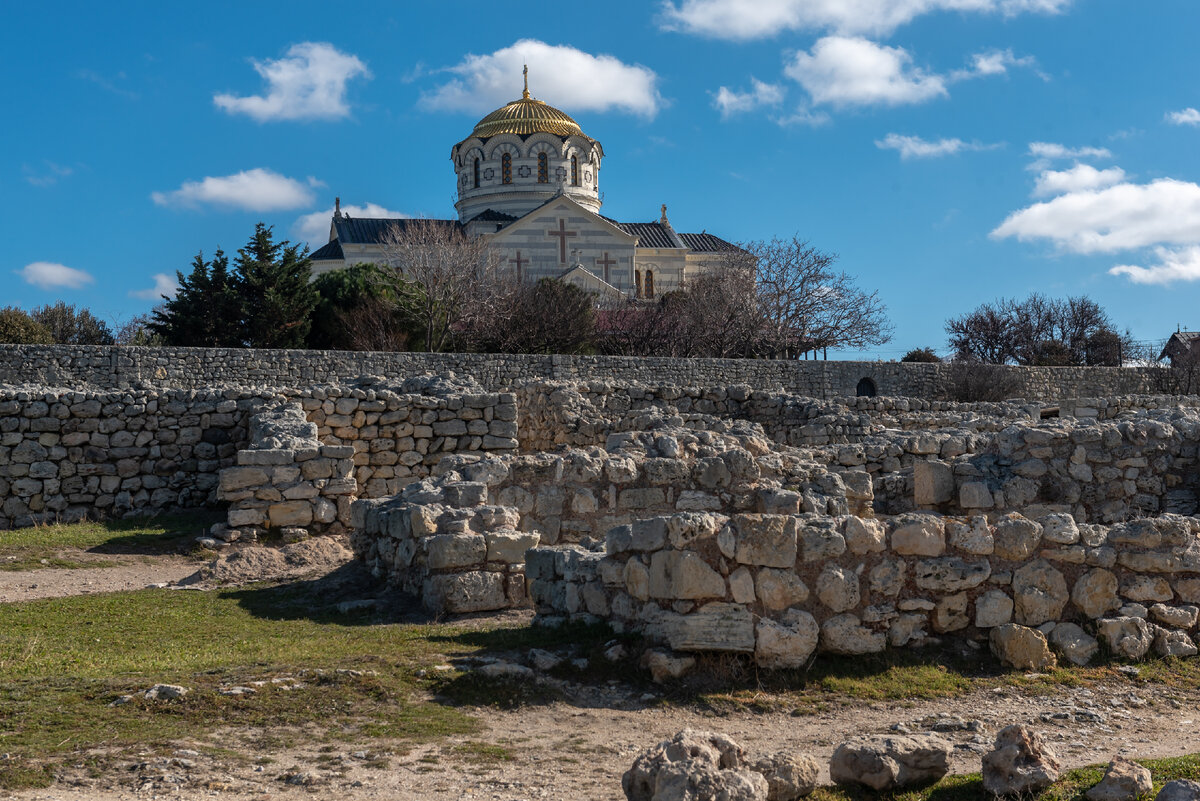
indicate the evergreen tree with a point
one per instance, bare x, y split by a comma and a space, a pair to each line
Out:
206, 310
69, 325
18, 328
276, 296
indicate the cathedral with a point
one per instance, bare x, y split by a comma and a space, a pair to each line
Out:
529, 180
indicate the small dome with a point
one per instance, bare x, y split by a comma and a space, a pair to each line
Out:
527, 116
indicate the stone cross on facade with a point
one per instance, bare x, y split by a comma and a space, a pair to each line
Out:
562, 233
519, 262
604, 264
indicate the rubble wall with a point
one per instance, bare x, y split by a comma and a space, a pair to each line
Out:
105, 367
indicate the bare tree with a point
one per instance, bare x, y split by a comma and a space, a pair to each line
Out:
374, 323
716, 313
806, 305
459, 276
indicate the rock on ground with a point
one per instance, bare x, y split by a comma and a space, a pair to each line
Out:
1021, 647
1179, 790
1021, 763
1123, 781
882, 762
261, 563
789, 776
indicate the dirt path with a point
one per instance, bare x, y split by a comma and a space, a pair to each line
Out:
130, 573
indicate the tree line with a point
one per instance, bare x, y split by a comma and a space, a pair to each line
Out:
436, 289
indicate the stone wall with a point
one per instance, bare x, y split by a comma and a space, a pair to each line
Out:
119, 367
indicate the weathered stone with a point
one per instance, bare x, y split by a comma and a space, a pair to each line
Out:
933, 483
1059, 529
907, 628
1175, 617
820, 540
1016, 538
684, 575
973, 536
975, 495
444, 551
1021, 764
741, 586
887, 578
509, 546
1123, 781
289, 513
693, 752
864, 535
1095, 593
712, 627
787, 642
838, 588
1173, 643
1179, 790
1074, 643
993, 608
950, 574
845, 634
950, 614
637, 579
459, 593
1127, 637
1021, 647
664, 666
789, 776
1147, 588
780, 589
919, 535
1039, 593
885, 763
767, 540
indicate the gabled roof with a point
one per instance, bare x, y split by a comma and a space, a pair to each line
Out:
330, 250
707, 243
373, 231
651, 234
1179, 343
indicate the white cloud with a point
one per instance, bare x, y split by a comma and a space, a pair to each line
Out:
1080, 178
852, 71
1121, 217
730, 102
1181, 264
914, 147
164, 285
585, 81
308, 83
47, 177
49, 275
994, 62
314, 228
741, 20
254, 190
1051, 150
1189, 116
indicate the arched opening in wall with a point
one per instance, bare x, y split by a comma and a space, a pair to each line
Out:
866, 389
506, 168
637, 283
649, 283
574, 171
543, 168
476, 173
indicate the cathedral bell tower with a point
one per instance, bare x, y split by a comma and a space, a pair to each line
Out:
520, 156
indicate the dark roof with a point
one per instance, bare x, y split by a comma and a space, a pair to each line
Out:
330, 250
650, 235
707, 243
491, 215
1181, 342
373, 231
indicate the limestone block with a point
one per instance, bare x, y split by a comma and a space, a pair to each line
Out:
1059, 529
644, 498
464, 494
1123, 781
1095, 593
838, 588
1188, 590
1173, 643
780, 589
637, 580
290, 513
266, 457
683, 575
1016, 538
1146, 588
950, 614
778, 502
1175, 617
712, 627
993, 608
1022, 764
509, 546
1021, 647
864, 535
887, 578
236, 478
889, 762
933, 483
787, 642
458, 593
239, 518
950, 574
444, 551
1039, 593
820, 540
845, 634
975, 495
1074, 643
919, 535
1128, 637
767, 540
906, 628
790, 776
697, 501
741, 586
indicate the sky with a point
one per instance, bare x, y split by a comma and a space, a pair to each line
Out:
949, 152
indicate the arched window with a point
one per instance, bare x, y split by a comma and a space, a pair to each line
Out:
649, 283
637, 283
865, 389
506, 168
543, 168
574, 171
476, 173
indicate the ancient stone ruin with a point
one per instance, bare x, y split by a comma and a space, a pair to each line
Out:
726, 517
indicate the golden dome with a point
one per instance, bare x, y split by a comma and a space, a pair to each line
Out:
527, 116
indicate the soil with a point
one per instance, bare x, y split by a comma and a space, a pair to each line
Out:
580, 746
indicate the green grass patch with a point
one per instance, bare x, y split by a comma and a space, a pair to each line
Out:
482, 753
58, 545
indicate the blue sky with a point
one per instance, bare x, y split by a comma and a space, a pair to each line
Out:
949, 151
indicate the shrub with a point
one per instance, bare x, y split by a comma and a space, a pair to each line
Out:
18, 328
920, 355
